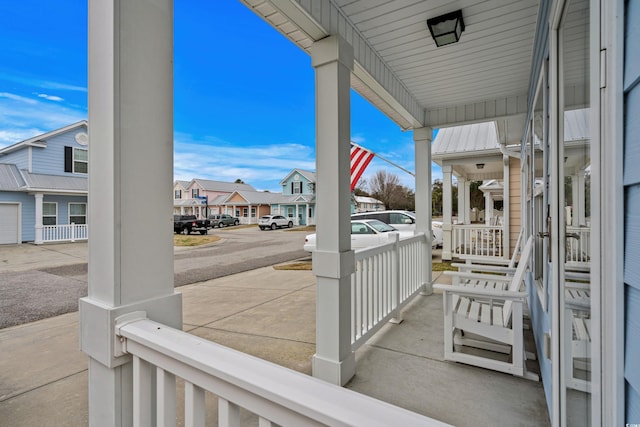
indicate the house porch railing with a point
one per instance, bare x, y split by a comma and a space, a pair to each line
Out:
64, 233
387, 277
276, 395
578, 248
477, 240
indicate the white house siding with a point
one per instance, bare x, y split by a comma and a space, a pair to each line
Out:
632, 211
50, 160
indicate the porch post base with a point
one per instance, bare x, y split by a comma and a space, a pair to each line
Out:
332, 371
427, 289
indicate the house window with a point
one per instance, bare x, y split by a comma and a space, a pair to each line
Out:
245, 212
49, 213
76, 160
77, 213
296, 187
177, 194
253, 212
290, 212
195, 192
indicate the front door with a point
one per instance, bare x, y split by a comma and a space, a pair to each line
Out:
574, 291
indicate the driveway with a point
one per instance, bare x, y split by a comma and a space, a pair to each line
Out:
38, 282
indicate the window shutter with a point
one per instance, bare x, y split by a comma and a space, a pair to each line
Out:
68, 159
292, 191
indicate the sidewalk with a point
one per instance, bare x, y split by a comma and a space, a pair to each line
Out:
271, 314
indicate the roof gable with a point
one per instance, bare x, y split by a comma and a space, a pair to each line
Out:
460, 140
221, 186
308, 175
40, 140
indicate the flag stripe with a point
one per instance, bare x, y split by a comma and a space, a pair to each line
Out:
360, 159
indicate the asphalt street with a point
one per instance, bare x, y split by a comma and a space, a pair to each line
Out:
45, 291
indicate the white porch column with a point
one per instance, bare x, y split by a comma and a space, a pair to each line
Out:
506, 207
578, 199
488, 208
333, 260
131, 138
38, 198
447, 199
462, 206
422, 141
467, 201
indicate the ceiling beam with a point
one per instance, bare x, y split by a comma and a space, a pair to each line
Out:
484, 111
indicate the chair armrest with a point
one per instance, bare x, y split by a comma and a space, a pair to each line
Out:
478, 276
462, 267
482, 293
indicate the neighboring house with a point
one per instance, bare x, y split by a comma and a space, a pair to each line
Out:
248, 205
298, 197
44, 186
366, 204
196, 197
473, 153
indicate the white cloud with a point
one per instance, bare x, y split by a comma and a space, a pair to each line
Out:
262, 166
18, 98
50, 97
24, 118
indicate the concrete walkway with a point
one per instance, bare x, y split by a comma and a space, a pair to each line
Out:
270, 313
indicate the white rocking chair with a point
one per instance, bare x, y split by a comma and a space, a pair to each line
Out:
486, 311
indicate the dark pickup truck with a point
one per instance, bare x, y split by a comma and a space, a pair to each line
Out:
189, 223
223, 220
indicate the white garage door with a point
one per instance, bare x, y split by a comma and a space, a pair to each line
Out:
8, 223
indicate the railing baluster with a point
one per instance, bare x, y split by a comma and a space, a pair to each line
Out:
142, 373
166, 401
194, 409
228, 413
263, 422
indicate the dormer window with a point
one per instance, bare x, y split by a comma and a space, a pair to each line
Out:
76, 160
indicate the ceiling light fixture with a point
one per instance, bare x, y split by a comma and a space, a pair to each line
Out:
446, 29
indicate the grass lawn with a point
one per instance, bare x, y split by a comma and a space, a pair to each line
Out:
193, 240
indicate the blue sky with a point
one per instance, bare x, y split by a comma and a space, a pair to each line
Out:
244, 95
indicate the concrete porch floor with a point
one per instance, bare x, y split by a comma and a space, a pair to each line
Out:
271, 314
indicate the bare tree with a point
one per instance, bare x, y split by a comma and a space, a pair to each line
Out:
386, 187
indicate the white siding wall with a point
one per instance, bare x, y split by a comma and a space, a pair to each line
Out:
632, 211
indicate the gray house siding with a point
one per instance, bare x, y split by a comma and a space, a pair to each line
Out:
19, 158
50, 160
632, 210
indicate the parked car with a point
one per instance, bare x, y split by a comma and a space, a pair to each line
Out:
402, 220
223, 220
188, 223
274, 221
364, 233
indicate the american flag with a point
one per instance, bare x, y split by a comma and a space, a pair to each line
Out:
360, 159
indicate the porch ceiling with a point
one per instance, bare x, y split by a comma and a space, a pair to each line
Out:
483, 77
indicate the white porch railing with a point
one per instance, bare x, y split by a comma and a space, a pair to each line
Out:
276, 395
387, 277
578, 244
477, 240
64, 233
